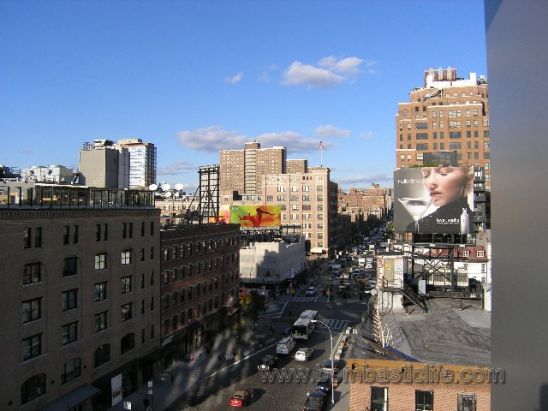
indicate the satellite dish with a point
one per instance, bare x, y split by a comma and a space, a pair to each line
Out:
168, 194
153, 187
178, 186
166, 186
176, 194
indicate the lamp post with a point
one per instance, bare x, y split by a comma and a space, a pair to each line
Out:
332, 366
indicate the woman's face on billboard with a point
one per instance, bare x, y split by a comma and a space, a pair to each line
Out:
444, 184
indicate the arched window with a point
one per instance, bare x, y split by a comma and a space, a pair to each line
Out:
33, 388
101, 355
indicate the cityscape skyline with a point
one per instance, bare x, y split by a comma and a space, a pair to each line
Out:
197, 78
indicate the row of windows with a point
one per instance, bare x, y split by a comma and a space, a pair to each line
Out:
33, 236
201, 267
424, 400
187, 250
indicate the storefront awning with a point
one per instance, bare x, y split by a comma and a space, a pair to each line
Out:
73, 398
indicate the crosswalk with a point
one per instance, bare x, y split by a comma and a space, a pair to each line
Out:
274, 309
305, 299
335, 325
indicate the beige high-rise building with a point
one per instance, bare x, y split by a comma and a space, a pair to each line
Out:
242, 170
445, 114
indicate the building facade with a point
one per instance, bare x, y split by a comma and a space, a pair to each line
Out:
142, 162
52, 174
82, 310
242, 170
199, 285
445, 114
103, 165
360, 203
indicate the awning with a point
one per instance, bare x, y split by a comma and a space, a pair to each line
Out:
73, 398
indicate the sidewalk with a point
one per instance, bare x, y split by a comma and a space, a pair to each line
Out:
182, 376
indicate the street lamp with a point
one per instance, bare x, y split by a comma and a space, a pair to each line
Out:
332, 366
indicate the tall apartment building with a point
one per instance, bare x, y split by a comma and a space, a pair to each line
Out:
445, 114
82, 309
142, 162
296, 166
199, 284
104, 165
242, 170
308, 200
374, 200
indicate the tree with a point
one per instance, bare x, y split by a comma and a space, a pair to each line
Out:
253, 303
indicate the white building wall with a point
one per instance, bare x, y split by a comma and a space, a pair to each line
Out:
280, 259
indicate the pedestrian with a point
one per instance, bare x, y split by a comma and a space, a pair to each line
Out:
146, 404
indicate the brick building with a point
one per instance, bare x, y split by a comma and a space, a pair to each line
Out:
199, 284
80, 266
445, 114
382, 385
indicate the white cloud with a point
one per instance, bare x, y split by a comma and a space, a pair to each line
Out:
265, 75
367, 135
236, 78
329, 71
212, 138
329, 130
365, 180
215, 138
304, 74
178, 167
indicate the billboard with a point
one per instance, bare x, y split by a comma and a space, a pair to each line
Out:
434, 200
256, 215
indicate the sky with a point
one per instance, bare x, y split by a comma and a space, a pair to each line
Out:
195, 77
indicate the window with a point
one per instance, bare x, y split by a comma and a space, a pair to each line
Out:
32, 273
143, 229
424, 400
69, 333
466, 402
455, 134
70, 299
379, 398
32, 310
126, 257
127, 312
152, 228
38, 237
100, 261
101, 355
32, 388
98, 232
127, 343
66, 234
422, 147
124, 230
455, 146
32, 346
142, 254
28, 237
422, 136
75, 235
421, 125
71, 370
70, 266
101, 321
480, 254
125, 284
100, 292
152, 253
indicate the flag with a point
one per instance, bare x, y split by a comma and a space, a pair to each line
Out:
322, 146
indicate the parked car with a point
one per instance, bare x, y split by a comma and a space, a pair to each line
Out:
310, 292
268, 362
324, 385
241, 398
304, 354
315, 401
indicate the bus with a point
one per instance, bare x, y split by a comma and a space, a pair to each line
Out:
311, 314
302, 328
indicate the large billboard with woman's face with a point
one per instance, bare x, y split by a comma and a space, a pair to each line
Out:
434, 200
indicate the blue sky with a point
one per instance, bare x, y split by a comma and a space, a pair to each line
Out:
197, 76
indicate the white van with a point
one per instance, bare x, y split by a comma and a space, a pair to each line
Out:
285, 345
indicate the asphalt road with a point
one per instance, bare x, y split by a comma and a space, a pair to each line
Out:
214, 393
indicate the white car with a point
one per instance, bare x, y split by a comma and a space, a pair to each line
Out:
304, 354
310, 292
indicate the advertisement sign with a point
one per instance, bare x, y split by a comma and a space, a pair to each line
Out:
116, 389
434, 200
256, 215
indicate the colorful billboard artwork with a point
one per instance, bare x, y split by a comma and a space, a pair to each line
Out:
434, 200
256, 216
